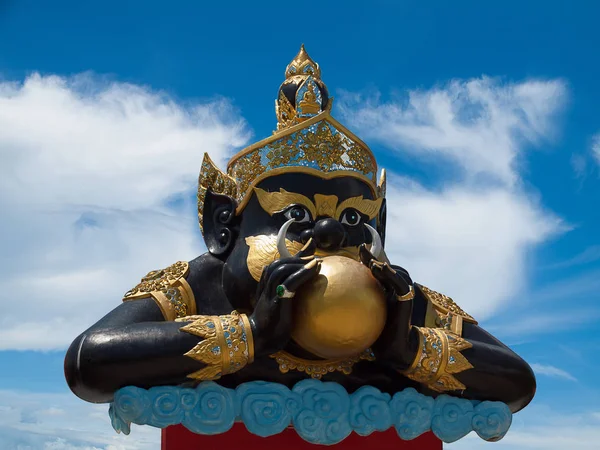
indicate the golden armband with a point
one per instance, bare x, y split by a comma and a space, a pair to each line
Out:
438, 358
227, 344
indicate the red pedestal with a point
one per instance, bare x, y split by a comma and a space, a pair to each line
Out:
178, 437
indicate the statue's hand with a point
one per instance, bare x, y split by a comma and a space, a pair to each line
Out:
392, 281
271, 320
395, 344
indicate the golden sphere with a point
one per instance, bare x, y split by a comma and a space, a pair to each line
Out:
342, 312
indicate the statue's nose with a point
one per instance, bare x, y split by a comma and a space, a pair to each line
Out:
329, 234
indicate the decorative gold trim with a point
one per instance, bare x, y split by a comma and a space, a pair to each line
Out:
274, 202
382, 185
249, 337
445, 304
317, 368
438, 359
325, 205
169, 289
262, 251
365, 206
307, 170
285, 112
300, 61
212, 178
325, 115
227, 344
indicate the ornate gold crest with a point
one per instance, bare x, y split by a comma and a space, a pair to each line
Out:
307, 140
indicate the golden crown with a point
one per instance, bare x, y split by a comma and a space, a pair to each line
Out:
308, 139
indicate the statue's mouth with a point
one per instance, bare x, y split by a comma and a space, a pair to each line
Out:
262, 251
284, 252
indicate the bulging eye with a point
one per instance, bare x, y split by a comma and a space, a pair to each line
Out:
298, 213
350, 217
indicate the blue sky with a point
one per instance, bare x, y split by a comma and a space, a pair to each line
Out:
485, 115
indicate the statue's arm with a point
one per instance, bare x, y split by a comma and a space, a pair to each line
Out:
432, 341
498, 373
452, 354
131, 345
156, 336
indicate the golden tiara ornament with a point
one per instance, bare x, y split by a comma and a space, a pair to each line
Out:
308, 139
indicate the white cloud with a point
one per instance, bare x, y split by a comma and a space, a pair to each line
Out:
469, 244
480, 124
87, 168
468, 230
542, 428
551, 371
29, 421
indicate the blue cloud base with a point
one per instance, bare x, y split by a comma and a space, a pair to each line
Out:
321, 413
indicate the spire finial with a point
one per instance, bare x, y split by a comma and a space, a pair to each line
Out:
302, 64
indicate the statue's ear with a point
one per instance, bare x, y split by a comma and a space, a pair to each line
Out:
219, 223
381, 221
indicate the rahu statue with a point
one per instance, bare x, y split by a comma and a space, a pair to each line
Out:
296, 284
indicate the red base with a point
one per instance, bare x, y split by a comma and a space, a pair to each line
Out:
178, 437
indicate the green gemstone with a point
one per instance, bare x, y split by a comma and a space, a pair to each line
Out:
280, 290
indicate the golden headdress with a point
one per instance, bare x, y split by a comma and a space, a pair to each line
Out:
307, 140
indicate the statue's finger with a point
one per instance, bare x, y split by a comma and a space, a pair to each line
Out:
365, 255
280, 274
305, 274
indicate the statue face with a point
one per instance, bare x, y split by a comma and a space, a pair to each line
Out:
333, 212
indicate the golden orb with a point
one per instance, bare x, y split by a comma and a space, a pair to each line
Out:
342, 312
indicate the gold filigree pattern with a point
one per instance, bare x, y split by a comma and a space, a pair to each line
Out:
365, 206
445, 304
212, 178
319, 145
286, 114
274, 202
382, 185
302, 64
318, 368
169, 289
325, 205
262, 251
438, 359
227, 344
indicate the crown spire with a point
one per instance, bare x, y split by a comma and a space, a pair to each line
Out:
302, 95
303, 64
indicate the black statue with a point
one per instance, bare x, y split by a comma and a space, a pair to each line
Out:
295, 214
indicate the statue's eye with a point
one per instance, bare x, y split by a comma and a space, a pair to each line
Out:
350, 217
298, 213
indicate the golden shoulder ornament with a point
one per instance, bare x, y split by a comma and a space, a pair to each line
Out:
443, 312
169, 289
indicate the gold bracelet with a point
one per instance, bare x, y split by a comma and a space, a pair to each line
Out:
438, 358
227, 345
